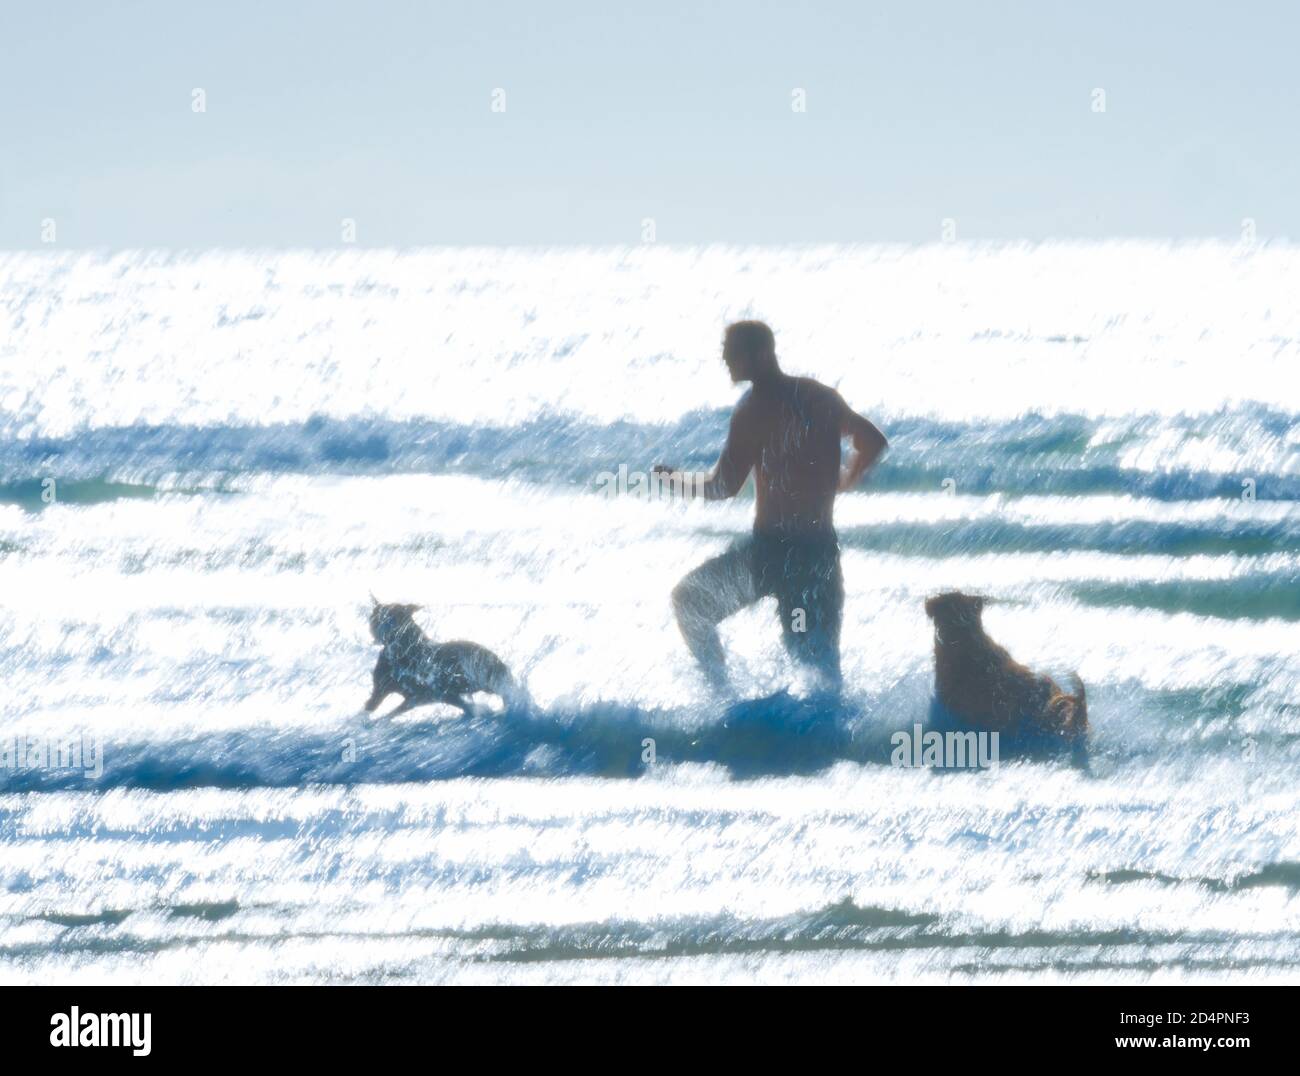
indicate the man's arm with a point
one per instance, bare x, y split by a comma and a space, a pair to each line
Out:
739, 455
869, 445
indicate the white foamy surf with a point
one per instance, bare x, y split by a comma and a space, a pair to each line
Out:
243, 445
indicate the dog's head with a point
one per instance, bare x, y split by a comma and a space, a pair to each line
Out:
955, 611
387, 620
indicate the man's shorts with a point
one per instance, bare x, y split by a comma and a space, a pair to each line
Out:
801, 571
803, 574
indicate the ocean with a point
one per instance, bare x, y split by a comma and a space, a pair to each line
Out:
210, 461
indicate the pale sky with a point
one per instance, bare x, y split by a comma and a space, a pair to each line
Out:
381, 113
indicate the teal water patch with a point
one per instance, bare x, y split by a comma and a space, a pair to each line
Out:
35, 494
111, 918
1284, 875
1259, 596
210, 912
1203, 703
1131, 537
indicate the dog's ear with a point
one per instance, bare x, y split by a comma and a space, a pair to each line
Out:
373, 600
931, 606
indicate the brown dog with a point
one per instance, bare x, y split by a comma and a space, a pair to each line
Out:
977, 680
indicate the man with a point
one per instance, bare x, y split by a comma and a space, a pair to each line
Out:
786, 430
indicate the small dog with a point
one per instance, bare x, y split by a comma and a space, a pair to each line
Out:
977, 681
422, 671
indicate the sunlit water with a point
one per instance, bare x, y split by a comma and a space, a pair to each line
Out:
244, 446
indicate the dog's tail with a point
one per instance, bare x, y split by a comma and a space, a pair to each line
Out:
1080, 704
1070, 712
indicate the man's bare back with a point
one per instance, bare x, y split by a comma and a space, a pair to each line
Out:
787, 431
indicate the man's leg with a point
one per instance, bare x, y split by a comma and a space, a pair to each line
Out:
708, 595
811, 604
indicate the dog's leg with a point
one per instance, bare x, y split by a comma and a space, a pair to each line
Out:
512, 693
451, 698
459, 701
383, 681
407, 703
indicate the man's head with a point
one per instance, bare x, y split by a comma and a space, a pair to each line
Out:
749, 350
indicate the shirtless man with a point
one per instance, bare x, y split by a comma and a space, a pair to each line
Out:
787, 430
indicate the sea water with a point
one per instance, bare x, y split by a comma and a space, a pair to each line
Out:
209, 461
